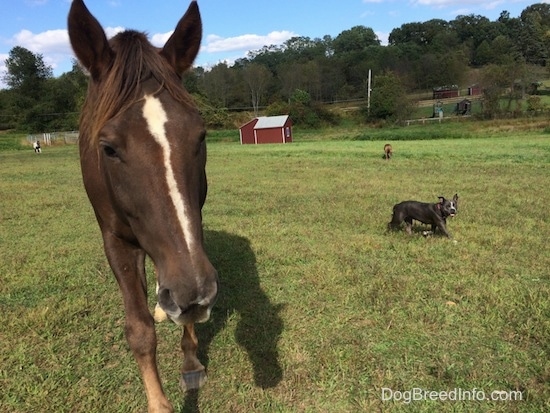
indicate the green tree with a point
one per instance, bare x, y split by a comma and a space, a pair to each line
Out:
535, 104
192, 79
217, 84
268, 56
388, 99
27, 77
503, 50
301, 110
433, 34
501, 82
26, 71
484, 53
304, 76
62, 99
9, 112
303, 49
257, 78
533, 38
356, 39
472, 30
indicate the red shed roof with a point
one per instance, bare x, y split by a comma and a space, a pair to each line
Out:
267, 122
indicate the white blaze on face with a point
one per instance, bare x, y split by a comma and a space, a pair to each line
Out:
156, 119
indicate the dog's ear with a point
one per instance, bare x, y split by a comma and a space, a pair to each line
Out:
441, 199
455, 199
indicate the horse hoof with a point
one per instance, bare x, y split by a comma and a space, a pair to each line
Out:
193, 380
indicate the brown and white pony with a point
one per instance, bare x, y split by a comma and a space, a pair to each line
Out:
143, 155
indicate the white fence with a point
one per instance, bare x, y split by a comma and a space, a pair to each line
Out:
49, 138
438, 119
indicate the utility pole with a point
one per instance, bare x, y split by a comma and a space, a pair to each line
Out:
368, 92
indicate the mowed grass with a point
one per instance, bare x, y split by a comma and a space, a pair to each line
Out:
320, 308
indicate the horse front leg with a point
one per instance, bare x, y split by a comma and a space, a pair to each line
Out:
193, 374
128, 264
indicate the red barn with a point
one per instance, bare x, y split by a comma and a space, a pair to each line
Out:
444, 92
267, 129
474, 90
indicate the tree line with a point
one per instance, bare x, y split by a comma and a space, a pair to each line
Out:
506, 57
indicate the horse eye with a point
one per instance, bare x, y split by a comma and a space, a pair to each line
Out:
109, 151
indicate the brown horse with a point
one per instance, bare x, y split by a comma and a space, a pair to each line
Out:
143, 156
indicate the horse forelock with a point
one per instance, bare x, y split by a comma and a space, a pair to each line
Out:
135, 60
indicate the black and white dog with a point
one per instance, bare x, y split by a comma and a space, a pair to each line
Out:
36, 146
433, 214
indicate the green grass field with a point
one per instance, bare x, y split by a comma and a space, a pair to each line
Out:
321, 309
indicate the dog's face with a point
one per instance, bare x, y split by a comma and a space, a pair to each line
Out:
449, 208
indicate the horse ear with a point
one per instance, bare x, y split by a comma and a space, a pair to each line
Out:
88, 40
183, 45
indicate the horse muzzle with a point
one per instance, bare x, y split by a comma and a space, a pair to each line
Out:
194, 311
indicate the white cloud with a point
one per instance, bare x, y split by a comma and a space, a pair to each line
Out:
56, 50
488, 5
53, 45
442, 3
462, 12
50, 41
37, 2
216, 44
383, 37
111, 31
159, 39
3, 70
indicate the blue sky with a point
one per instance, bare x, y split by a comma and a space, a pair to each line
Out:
230, 27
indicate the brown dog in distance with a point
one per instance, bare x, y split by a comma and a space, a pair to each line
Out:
388, 151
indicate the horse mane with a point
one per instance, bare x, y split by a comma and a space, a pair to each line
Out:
135, 60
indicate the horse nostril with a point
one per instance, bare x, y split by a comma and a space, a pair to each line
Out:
166, 302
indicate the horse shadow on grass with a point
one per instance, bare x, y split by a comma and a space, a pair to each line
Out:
259, 326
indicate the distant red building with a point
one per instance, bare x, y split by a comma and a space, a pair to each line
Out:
474, 90
267, 129
444, 92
